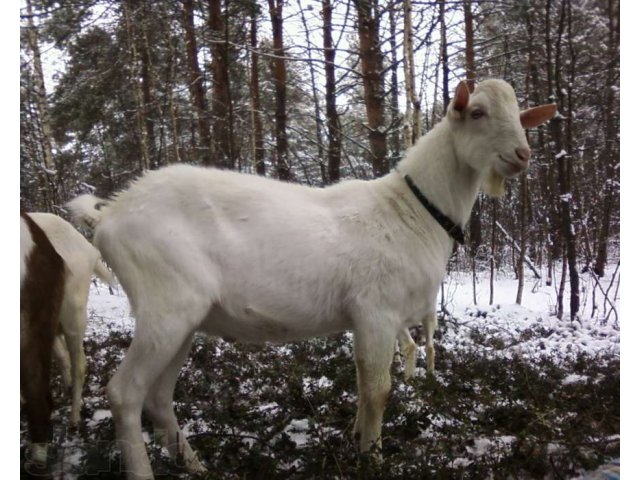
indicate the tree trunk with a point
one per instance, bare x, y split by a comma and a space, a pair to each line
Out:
475, 222
222, 107
610, 155
372, 67
394, 104
196, 87
280, 80
40, 94
256, 108
175, 137
494, 208
469, 53
412, 122
314, 92
556, 247
524, 188
474, 280
129, 16
333, 121
563, 163
561, 287
444, 57
146, 72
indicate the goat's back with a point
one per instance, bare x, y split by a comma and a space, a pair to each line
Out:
263, 250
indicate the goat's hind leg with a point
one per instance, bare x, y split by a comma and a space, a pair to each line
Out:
152, 351
61, 354
74, 328
159, 407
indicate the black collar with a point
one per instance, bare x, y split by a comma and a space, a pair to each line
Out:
445, 222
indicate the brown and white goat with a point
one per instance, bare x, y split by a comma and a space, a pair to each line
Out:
82, 261
42, 277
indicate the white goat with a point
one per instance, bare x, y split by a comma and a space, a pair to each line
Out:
257, 260
82, 261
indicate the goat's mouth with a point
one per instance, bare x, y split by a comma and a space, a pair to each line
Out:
510, 167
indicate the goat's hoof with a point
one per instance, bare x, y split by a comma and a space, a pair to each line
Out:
36, 462
431, 364
372, 456
195, 466
409, 368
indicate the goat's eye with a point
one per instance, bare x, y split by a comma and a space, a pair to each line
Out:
475, 114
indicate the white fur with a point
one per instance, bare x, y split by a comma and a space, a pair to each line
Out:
82, 261
26, 246
257, 260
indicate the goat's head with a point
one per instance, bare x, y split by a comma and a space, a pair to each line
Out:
488, 130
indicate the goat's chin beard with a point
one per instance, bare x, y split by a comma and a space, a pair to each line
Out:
493, 184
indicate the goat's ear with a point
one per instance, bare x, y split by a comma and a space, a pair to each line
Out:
461, 97
535, 116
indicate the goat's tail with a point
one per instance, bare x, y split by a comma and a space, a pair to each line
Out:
104, 274
85, 210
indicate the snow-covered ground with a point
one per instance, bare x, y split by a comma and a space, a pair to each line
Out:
501, 330
504, 321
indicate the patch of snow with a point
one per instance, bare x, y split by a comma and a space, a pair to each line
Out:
461, 462
194, 426
310, 384
574, 378
268, 407
296, 431
108, 312
98, 416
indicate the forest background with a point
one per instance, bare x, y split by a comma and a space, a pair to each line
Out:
319, 91
316, 91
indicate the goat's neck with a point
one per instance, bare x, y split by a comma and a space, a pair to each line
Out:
447, 182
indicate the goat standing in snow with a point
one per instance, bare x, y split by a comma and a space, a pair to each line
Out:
69, 319
82, 260
42, 276
257, 260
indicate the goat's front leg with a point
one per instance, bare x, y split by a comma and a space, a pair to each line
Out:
408, 349
35, 364
430, 323
159, 407
373, 351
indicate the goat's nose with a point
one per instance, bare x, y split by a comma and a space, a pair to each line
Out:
523, 153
